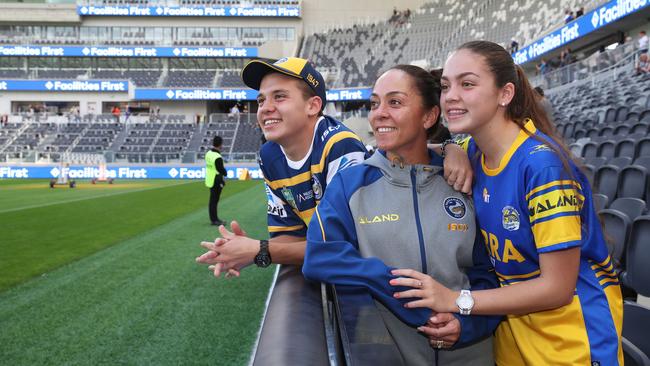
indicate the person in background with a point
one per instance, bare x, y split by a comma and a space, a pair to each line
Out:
215, 178
642, 65
642, 43
544, 102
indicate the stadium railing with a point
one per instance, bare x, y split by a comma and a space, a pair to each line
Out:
307, 323
597, 63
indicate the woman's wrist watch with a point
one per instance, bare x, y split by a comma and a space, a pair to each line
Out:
465, 302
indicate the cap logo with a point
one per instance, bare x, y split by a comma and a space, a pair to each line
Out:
312, 80
282, 60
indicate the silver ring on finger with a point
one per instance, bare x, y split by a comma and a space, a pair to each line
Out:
440, 344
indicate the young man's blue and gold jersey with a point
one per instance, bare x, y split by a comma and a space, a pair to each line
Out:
529, 206
293, 189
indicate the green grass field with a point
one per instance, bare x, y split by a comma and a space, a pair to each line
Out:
105, 274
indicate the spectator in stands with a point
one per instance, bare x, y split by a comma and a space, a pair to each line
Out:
643, 42
361, 237
116, 112
544, 102
127, 114
514, 46
580, 12
234, 112
215, 178
642, 65
567, 291
569, 16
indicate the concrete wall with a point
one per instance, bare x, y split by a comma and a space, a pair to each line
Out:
88, 102
13, 13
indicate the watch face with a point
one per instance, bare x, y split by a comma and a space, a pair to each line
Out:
262, 260
465, 302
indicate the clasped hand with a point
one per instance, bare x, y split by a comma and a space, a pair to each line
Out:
230, 253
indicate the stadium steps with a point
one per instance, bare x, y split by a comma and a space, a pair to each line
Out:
119, 140
17, 133
193, 146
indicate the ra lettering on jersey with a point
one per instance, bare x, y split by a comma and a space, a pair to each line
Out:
293, 189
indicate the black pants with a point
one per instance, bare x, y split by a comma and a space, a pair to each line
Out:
215, 192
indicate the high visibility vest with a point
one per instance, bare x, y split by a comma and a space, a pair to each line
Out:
210, 167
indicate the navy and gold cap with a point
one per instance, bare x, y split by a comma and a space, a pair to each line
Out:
254, 71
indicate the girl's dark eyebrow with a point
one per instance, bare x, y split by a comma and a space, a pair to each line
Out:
460, 76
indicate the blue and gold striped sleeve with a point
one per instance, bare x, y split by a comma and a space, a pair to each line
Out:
554, 201
342, 150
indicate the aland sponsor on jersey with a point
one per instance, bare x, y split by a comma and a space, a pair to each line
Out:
555, 202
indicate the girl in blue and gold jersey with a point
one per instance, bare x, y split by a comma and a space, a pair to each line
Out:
559, 288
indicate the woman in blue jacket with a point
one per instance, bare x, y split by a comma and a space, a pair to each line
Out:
397, 211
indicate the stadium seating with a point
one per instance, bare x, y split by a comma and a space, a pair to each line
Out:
617, 226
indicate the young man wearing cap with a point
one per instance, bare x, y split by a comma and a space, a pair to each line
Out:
305, 150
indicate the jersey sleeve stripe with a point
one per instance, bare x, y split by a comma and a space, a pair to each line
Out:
328, 146
553, 184
306, 215
288, 182
559, 246
560, 230
275, 229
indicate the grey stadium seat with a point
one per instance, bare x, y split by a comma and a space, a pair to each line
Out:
590, 149
625, 147
633, 181
606, 180
636, 344
617, 227
596, 161
632, 207
600, 201
606, 149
